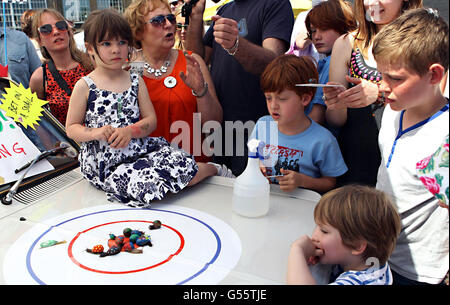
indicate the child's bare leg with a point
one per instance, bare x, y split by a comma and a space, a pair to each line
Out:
204, 171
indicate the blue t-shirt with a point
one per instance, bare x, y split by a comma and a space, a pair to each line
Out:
323, 68
313, 152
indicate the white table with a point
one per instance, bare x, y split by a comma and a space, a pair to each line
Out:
265, 241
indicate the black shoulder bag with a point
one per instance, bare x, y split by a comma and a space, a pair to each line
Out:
58, 78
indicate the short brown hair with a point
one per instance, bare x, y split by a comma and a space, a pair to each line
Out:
334, 15
104, 25
136, 12
287, 70
416, 40
361, 213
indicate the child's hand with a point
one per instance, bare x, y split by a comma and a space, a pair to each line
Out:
263, 170
120, 137
309, 250
102, 133
289, 181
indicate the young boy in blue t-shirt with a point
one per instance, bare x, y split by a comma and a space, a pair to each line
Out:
325, 23
298, 151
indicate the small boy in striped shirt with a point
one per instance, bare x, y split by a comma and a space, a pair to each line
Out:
357, 229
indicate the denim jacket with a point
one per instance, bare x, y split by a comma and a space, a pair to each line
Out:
22, 56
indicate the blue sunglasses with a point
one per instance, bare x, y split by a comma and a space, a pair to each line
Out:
160, 20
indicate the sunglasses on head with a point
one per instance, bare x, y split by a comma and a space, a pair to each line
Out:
161, 20
48, 28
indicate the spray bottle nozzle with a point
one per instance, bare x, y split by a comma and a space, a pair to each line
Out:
255, 149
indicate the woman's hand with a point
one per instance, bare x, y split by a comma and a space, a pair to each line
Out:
331, 96
193, 77
121, 137
361, 95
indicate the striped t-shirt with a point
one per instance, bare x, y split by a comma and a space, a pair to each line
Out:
369, 276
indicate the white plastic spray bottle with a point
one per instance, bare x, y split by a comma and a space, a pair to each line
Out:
251, 190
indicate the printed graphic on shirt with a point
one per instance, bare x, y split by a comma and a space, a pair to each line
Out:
280, 157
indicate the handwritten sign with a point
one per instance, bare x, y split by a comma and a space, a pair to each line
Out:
16, 149
22, 105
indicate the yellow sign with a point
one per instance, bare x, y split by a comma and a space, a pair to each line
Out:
22, 105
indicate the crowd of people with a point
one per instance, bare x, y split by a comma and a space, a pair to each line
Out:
367, 128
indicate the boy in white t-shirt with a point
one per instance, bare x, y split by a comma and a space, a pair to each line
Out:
413, 62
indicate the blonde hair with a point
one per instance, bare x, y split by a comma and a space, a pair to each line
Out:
405, 41
361, 213
136, 12
77, 54
366, 29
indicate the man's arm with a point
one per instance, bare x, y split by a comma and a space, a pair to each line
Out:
194, 35
252, 57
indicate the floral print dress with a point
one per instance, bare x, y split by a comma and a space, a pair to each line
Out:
146, 169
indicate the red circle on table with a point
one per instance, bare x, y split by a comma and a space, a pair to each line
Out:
69, 250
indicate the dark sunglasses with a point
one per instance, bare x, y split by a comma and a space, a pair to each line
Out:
182, 26
161, 20
48, 28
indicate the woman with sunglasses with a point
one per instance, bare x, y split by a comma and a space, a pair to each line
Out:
179, 83
180, 34
64, 63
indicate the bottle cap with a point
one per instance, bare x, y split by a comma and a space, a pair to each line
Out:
255, 148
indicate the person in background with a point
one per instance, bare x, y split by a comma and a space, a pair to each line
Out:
180, 34
65, 64
415, 123
357, 107
26, 24
356, 230
175, 6
238, 46
301, 45
22, 57
325, 23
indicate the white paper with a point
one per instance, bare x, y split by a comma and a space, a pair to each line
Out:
319, 85
16, 150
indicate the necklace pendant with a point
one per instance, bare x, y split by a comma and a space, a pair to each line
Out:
158, 72
170, 82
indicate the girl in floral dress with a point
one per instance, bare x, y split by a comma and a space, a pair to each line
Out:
111, 114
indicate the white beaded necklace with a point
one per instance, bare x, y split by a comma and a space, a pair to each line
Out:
157, 72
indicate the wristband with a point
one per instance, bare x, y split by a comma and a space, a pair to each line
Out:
234, 48
205, 90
